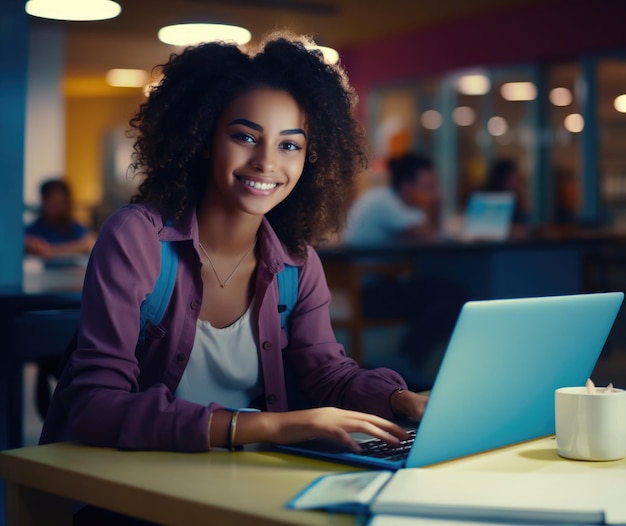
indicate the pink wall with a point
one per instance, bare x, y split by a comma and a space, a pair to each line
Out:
547, 30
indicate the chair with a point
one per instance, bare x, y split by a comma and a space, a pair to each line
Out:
345, 280
35, 336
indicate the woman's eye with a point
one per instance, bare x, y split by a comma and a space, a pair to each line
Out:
291, 146
243, 137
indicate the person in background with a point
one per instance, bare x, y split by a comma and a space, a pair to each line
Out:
247, 157
52, 235
504, 175
55, 232
567, 197
407, 210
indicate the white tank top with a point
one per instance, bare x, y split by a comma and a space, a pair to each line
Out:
223, 366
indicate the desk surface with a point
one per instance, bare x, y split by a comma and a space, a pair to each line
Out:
249, 487
44, 286
348, 252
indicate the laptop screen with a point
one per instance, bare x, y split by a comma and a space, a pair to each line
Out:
488, 216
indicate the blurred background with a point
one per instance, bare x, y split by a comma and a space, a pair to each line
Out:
539, 81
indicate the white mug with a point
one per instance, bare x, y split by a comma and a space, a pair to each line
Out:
590, 425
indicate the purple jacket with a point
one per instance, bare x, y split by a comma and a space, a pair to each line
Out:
112, 394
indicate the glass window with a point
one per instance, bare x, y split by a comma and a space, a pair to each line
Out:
494, 116
394, 117
565, 126
430, 121
566, 130
468, 122
611, 119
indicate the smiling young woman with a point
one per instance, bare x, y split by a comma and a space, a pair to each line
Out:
247, 159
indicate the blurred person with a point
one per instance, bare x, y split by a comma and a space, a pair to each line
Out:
55, 232
504, 175
567, 197
407, 210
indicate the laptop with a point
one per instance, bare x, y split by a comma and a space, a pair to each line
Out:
496, 382
488, 217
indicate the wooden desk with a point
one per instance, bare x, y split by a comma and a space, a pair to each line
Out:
489, 270
535, 456
248, 487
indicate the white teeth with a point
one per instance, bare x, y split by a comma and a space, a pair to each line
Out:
259, 186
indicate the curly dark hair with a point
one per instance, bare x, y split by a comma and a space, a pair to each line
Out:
174, 126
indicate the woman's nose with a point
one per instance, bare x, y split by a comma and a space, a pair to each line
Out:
264, 158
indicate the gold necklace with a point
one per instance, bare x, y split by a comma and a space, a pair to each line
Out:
219, 280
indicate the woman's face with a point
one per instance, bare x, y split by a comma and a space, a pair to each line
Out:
258, 151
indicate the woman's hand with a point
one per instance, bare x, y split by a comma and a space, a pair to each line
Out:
323, 422
408, 403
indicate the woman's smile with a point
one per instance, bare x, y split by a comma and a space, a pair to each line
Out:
263, 187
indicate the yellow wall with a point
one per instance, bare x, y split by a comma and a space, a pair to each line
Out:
92, 109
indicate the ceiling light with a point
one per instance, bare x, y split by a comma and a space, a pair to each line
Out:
331, 56
497, 126
127, 78
431, 119
191, 34
518, 91
561, 96
620, 103
574, 123
463, 116
73, 10
473, 85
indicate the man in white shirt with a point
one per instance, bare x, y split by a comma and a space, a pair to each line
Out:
407, 210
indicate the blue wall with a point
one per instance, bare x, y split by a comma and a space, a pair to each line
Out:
14, 60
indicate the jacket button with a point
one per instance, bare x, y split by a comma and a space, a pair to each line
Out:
181, 357
267, 345
194, 304
271, 399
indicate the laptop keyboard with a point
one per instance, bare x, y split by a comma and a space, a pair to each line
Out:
378, 449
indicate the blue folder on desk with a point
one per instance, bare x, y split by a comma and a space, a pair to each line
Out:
496, 383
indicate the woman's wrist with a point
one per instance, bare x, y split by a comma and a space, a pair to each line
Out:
407, 404
395, 402
230, 429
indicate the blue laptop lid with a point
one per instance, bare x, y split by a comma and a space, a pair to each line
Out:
505, 358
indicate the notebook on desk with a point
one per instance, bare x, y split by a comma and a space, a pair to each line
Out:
496, 382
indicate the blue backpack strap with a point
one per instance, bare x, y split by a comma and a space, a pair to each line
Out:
287, 280
154, 306
287, 292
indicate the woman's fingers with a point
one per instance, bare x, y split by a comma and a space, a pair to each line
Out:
336, 424
381, 428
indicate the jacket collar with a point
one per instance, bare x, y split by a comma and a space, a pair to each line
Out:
272, 250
